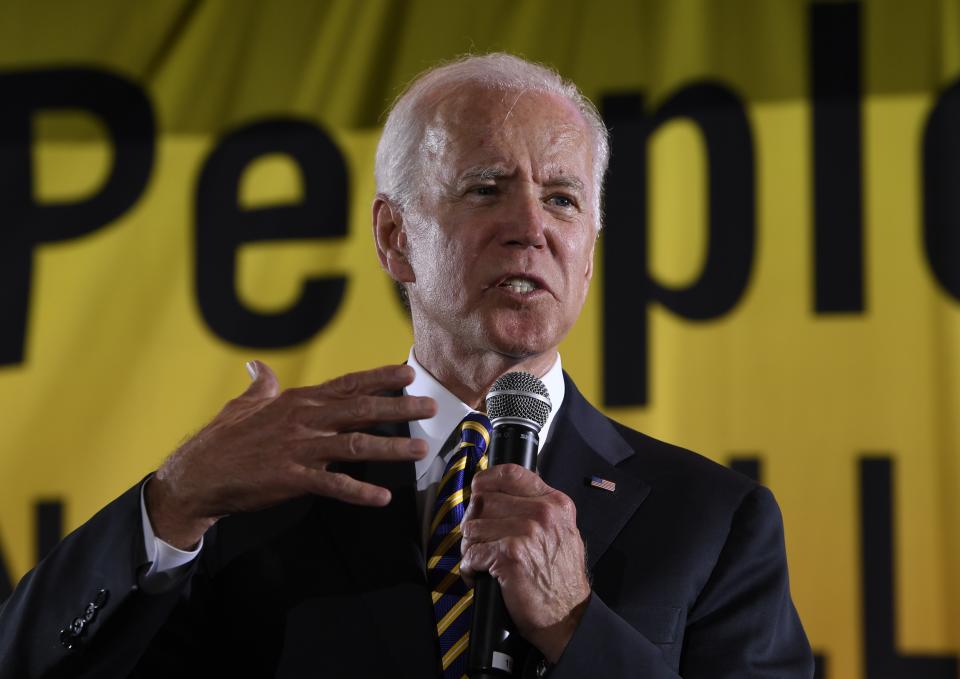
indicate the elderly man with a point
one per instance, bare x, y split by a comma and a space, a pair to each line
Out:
297, 533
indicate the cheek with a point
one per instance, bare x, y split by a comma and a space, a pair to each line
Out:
439, 264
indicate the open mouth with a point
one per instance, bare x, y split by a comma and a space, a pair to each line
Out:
519, 285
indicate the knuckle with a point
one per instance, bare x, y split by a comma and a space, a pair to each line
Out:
513, 471
543, 513
565, 505
477, 556
294, 476
362, 407
478, 480
530, 528
338, 483
346, 385
354, 442
512, 549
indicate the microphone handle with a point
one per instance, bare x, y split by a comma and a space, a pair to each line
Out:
492, 653
512, 443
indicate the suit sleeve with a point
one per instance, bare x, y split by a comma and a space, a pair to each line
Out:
81, 612
742, 624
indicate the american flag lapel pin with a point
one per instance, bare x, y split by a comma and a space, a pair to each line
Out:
603, 484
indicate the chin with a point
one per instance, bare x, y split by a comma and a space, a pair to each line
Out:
522, 338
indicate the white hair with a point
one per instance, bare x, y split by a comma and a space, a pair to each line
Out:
399, 163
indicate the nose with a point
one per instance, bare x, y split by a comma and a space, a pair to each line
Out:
524, 224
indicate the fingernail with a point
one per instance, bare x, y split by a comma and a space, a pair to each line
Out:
251, 369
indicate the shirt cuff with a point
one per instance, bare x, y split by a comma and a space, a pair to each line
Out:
167, 563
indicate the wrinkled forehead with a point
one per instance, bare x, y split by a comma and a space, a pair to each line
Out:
476, 125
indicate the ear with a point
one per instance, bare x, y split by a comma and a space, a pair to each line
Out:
588, 275
391, 239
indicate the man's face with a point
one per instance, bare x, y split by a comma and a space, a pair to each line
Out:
501, 244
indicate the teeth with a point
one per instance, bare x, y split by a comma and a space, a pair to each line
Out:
521, 285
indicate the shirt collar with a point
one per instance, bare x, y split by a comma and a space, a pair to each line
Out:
450, 409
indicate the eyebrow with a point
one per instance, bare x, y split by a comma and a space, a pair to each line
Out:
566, 182
487, 172
482, 172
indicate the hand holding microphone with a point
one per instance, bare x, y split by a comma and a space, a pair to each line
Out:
523, 533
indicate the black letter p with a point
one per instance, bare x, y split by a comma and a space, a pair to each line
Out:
127, 116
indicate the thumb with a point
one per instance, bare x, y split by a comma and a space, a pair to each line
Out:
264, 382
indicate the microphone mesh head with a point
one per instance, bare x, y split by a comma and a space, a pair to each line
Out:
519, 394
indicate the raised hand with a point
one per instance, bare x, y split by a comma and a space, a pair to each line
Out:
268, 445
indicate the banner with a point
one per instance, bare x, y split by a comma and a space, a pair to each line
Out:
185, 186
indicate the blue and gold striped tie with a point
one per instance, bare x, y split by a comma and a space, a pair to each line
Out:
452, 600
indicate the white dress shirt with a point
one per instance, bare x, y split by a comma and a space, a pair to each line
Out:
168, 562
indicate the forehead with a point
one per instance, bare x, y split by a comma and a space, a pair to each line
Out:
478, 125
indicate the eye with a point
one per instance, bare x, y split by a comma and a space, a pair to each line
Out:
484, 190
561, 201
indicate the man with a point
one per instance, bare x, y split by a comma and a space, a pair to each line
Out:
247, 553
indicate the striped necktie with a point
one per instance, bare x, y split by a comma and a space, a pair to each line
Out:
451, 598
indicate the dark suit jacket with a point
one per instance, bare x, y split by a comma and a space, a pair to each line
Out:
687, 561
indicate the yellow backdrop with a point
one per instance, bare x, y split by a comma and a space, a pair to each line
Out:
119, 363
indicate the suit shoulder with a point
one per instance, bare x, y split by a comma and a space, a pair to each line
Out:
660, 462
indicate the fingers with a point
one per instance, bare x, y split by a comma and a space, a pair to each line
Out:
347, 403
489, 530
346, 488
496, 558
366, 382
511, 479
364, 411
318, 450
264, 383
473, 561
508, 490
502, 506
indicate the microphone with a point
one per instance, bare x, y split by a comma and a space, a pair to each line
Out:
518, 406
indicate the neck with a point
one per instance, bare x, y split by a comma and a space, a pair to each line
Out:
469, 376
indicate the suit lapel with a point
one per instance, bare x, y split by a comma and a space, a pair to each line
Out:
381, 549
583, 445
